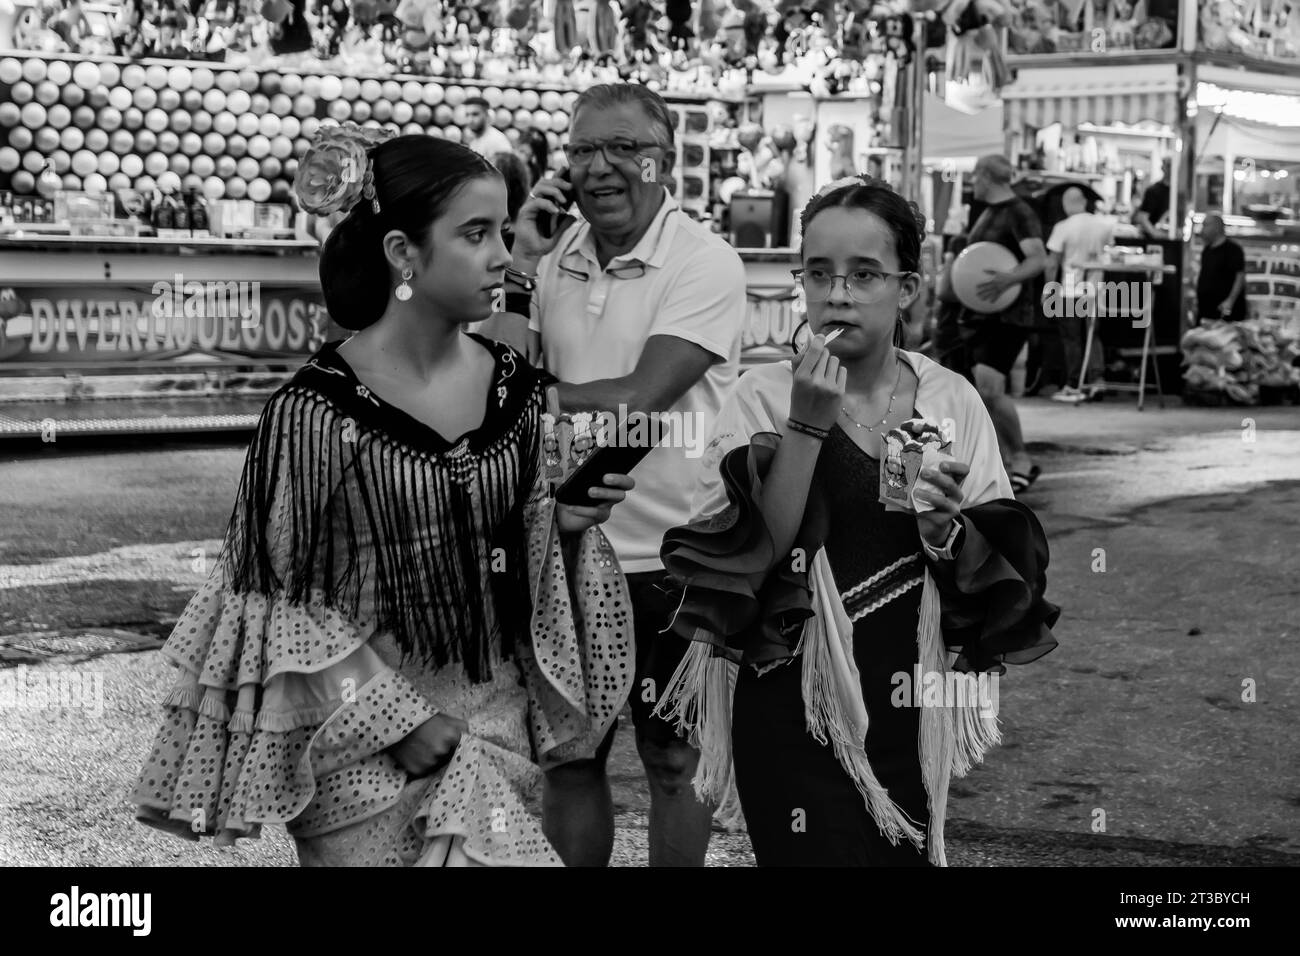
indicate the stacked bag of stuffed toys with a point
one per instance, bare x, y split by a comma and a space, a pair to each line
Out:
1242, 363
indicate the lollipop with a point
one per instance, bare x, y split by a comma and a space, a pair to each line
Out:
236, 188
10, 115
228, 81
214, 144
22, 92
11, 71
214, 188
21, 137
119, 181
169, 100
9, 159
202, 79
119, 97
246, 124
132, 119
203, 166
371, 90
156, 76
97, 97
201, 122
145, 98
94, 183
214, 101
70, 94
132, 165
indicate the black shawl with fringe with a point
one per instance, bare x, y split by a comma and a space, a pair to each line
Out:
382, 517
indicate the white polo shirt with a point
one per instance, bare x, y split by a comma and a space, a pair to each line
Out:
694, 289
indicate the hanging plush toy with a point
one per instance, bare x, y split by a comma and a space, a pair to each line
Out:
678, 13
591, 25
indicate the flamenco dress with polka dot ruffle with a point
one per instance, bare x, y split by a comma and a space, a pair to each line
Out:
372, 574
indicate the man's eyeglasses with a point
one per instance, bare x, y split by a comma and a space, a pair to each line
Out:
631, 270
616, 151
863, 285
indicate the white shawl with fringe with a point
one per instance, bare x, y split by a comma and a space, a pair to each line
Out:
952, 738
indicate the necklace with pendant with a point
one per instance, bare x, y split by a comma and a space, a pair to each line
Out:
888, 411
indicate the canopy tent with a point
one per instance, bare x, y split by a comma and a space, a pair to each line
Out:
955, 135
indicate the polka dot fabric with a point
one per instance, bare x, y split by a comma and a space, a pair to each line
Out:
476, 805
579, 668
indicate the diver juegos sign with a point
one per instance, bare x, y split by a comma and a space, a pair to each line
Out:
231, 320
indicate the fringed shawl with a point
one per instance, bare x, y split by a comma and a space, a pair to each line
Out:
389, 521
741, 606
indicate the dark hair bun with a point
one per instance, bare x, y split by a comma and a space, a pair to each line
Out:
354, 272
414, 178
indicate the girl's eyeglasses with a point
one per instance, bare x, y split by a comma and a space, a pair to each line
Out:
862, 285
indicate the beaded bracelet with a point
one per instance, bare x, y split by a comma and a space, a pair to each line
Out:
818, 433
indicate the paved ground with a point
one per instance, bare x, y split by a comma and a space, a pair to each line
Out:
1167, 715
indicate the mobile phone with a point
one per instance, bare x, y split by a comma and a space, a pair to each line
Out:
548, 222
606, 460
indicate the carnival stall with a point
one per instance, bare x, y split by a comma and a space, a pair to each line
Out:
139, 135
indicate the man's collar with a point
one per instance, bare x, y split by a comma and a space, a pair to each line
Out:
652, 248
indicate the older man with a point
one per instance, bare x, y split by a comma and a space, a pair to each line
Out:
638, 307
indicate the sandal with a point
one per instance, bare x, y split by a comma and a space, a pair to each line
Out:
1021, 482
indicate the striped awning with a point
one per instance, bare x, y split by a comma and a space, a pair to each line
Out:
1101, 95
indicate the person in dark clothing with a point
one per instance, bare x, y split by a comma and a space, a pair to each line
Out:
1155, 204
1221, 284
994, 340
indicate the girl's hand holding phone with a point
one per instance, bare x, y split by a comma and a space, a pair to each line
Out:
574, 519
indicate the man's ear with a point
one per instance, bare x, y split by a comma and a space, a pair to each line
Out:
666, 166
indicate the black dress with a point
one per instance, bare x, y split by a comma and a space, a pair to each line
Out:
801, 807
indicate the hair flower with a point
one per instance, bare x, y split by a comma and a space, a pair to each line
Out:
335, 172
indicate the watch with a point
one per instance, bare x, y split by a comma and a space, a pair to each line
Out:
522, 279
948, 551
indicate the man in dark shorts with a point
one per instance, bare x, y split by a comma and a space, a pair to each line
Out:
994, 340
638, 309
1221, 283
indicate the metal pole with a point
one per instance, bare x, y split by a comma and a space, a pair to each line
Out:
913, 148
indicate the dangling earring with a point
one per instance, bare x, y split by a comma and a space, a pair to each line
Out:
404, 289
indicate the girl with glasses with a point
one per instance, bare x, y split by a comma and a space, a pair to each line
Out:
813, 606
